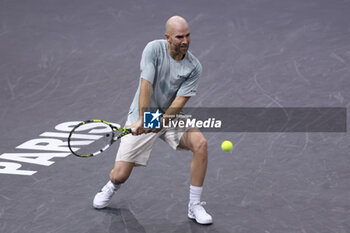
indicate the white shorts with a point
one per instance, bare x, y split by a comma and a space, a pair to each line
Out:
137, 149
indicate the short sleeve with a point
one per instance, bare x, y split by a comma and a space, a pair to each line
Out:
148, 62
189, 87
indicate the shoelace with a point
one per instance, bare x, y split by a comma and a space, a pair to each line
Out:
202, 203
108, 190
201, 208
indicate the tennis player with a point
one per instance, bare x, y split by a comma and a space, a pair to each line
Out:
169, 77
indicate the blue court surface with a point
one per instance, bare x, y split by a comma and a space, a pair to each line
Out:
71, 60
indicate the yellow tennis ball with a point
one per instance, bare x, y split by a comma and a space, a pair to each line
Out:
226, 146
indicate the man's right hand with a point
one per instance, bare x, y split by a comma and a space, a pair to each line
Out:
137, 128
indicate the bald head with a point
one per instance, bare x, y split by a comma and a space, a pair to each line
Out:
177, 34
175, 23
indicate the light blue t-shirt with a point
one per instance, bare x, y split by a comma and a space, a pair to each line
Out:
169, 78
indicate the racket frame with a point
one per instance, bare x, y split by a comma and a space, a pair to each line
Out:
114, 137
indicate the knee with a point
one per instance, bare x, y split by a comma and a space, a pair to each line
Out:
118, 177
201, 146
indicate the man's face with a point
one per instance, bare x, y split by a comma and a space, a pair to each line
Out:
179, 39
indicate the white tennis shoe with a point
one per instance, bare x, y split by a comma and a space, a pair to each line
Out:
104, 197
197, 212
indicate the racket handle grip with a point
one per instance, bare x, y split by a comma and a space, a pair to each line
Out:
131, 130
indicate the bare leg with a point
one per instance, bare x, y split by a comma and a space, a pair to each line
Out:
194, 140
121, 172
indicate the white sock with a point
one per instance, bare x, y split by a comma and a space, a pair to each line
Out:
114, 186
195, 194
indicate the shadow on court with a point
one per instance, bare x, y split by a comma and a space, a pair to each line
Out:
123, 220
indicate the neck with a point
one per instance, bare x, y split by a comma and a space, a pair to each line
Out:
176, 56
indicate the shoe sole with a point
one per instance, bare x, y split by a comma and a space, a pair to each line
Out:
99, 206
200, 222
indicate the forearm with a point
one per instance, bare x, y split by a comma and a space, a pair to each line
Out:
145, 92
175, 107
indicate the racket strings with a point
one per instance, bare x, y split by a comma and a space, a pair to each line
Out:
92, 147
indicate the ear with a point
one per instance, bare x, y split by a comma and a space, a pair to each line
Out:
167, 37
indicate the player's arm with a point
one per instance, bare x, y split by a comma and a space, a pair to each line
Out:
175, 108
145, 93
187, 89
147, 67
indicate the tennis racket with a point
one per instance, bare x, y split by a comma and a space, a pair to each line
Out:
101, 135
